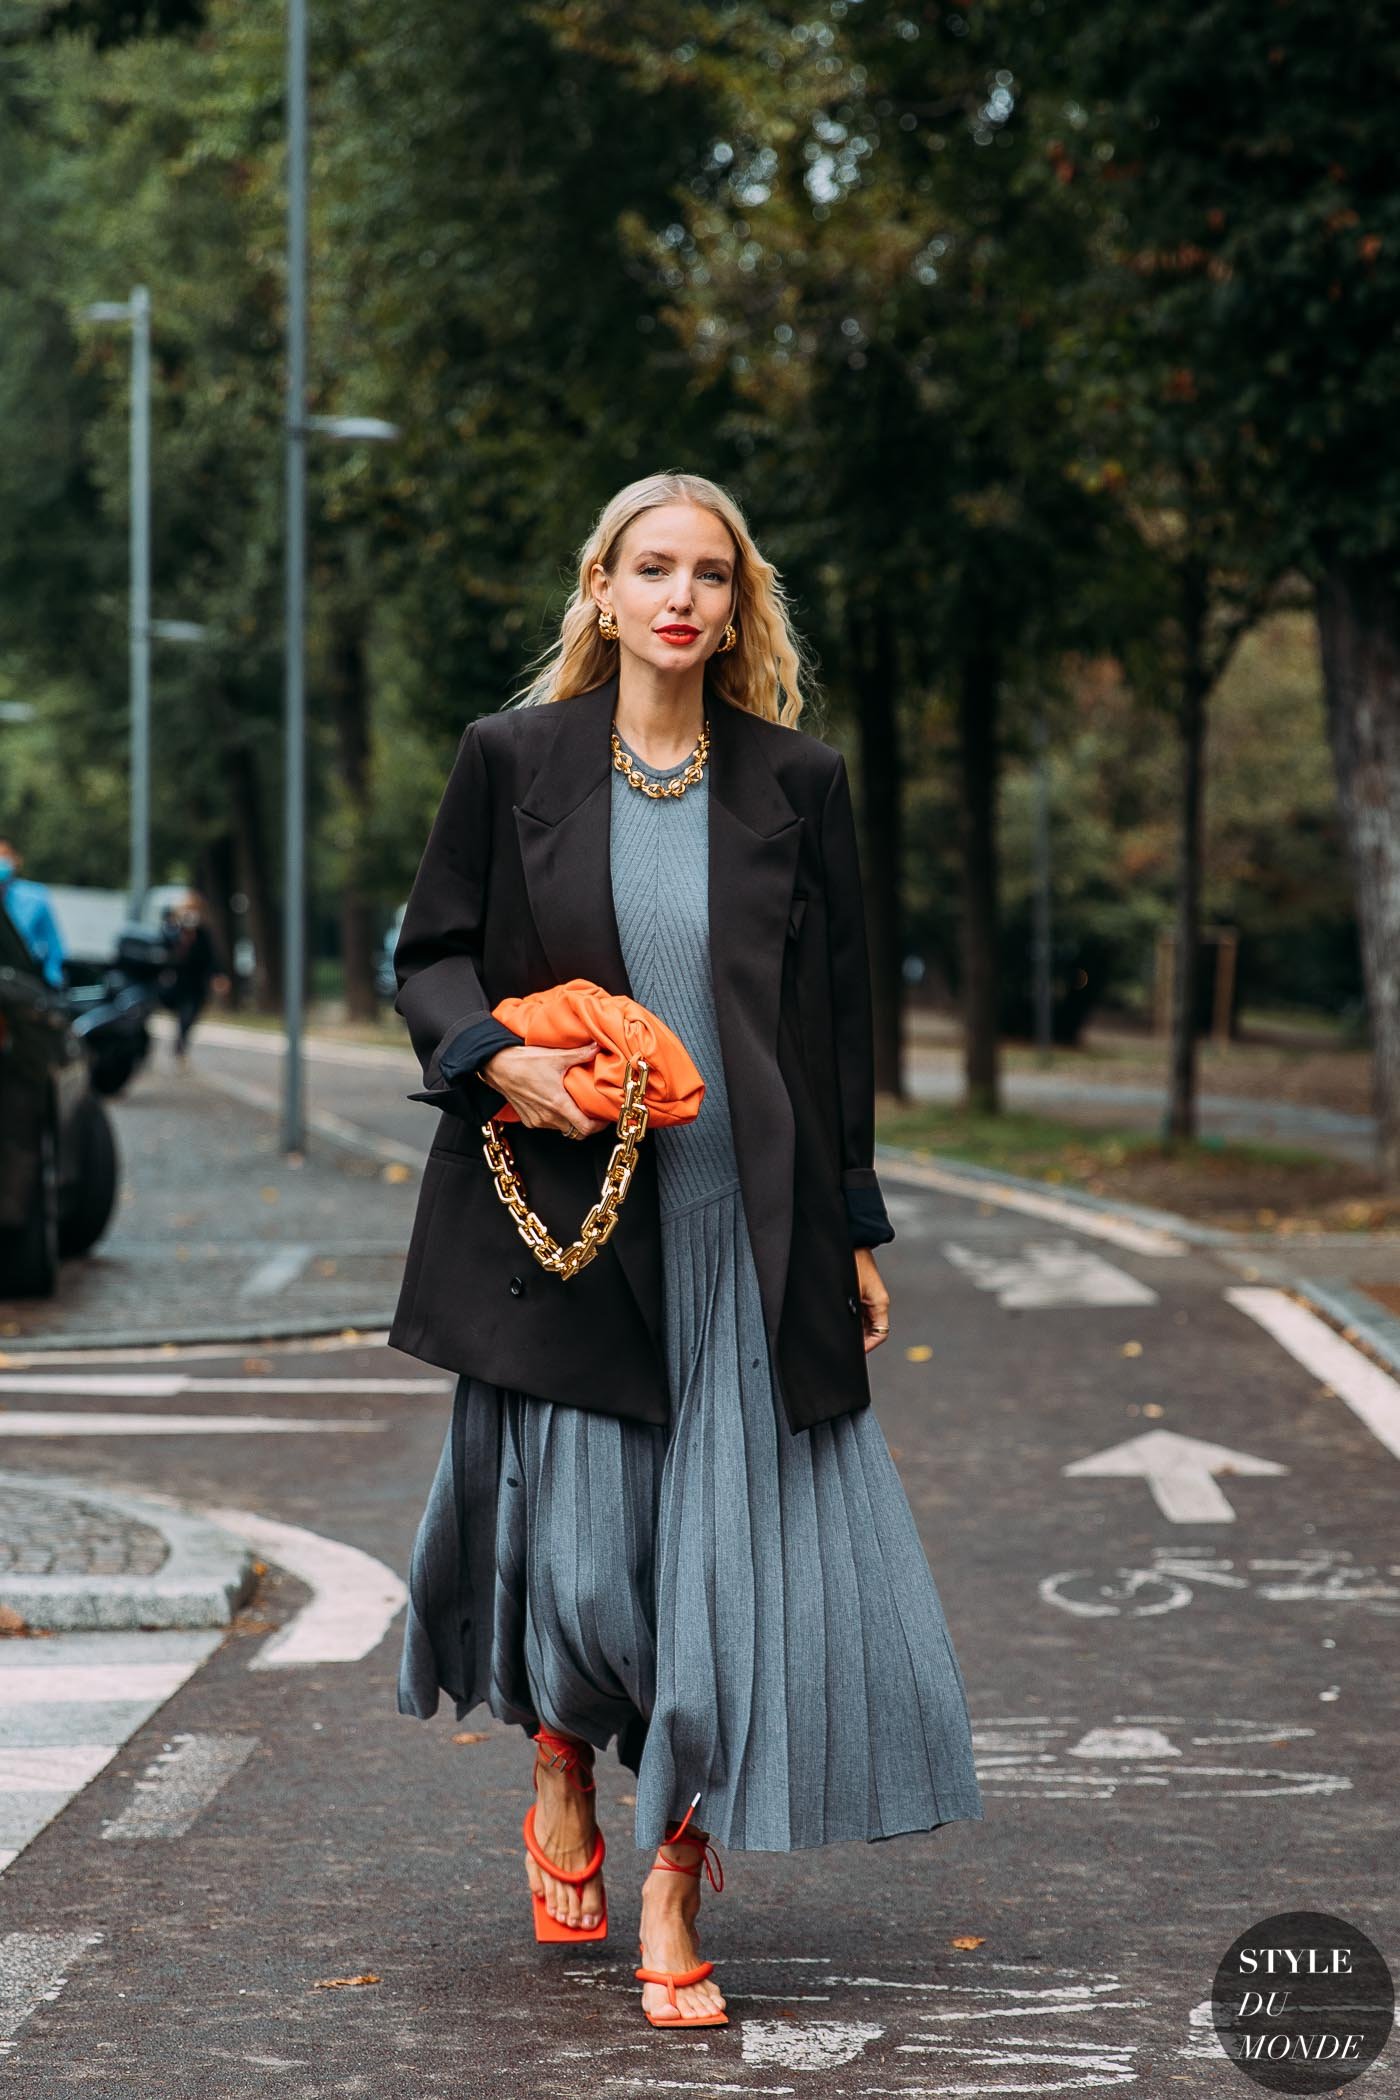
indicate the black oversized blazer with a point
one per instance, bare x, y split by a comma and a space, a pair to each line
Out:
514, 894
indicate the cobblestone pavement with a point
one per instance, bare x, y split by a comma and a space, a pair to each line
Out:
44, 1535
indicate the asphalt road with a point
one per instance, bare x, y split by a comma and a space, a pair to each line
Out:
1184, 1714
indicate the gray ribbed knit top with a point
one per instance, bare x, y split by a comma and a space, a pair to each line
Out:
660, 879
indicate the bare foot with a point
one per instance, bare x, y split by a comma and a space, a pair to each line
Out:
670, 1903
566, 1829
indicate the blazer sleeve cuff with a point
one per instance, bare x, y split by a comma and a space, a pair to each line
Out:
865, 1209
472, 1045
452, 1084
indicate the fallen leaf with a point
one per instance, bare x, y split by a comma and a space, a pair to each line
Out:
473, 1735
257, 1363
336, 1983
1132, 1348
968, 1939
397, 1171
920, 1353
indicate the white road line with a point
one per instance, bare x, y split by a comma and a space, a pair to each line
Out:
1088, 1224
33, 1970
354, 1600
1047, 1273
153, 1385
1371, 1393
179, 1784
276, 1272
18, 1422
338, 1128
67, 1705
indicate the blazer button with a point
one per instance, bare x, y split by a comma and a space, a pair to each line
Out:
517, 1285
854, 1304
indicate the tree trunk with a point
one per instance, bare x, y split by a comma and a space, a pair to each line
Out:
875, 658
349, 698
979, 741
1359, 626
1179, 1122
254, 876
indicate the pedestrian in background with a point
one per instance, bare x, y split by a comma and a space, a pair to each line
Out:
664, 1510
32, 915
194, 969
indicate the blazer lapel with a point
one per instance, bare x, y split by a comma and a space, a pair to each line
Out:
564, 825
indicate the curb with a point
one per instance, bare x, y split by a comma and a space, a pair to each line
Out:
354, 1327
205, 1575
1356, 1317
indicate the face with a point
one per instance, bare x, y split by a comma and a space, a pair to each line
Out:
9, 860
672, 589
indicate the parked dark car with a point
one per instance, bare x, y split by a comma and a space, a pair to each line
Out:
58, 1157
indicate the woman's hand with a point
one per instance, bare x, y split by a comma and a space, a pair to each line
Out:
874, 1300
533, 1083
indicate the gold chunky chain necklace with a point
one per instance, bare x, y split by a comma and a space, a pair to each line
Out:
636, 778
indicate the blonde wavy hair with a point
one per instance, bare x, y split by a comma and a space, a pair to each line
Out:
764, 673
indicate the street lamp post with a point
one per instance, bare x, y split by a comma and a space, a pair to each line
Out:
299, 427
136, 313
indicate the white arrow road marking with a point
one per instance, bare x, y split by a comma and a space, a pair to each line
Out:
170, 1385
33, 1970
1123, 1231
1048, 1273
1371, 1393
179, 1784
1178, 1470
67, 1705
354, 1600
806, 2045
17, 1422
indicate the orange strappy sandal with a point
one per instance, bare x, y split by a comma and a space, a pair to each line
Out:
566, 1757
677, 1979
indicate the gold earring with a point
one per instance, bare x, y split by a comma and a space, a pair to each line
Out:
728, 639
607, 624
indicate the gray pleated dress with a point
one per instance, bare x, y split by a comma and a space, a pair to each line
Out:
747, 1610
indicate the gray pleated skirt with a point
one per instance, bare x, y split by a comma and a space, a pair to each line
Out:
747, 1610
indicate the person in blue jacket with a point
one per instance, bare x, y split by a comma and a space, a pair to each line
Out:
31, 913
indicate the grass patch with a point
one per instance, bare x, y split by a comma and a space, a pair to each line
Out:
1253, 1187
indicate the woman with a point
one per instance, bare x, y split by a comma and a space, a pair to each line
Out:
664, 1511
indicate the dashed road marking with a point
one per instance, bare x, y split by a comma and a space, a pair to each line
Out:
178, 1785
354, 1600
67, 1705
33, 1970
1049, 1273
1371, 1393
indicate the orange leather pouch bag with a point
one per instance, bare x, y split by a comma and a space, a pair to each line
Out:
641, 1073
